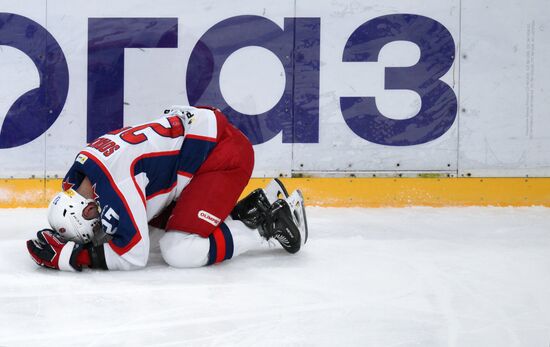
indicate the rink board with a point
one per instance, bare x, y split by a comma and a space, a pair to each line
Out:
452, 87
351, 192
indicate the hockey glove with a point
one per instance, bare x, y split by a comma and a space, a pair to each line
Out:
49, 250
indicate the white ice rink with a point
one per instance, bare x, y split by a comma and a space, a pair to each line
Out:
367, 277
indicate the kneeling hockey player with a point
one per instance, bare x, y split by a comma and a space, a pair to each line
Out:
182, 173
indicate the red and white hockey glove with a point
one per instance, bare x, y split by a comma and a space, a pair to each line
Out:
49, 250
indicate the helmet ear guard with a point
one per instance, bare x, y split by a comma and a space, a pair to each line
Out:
65, 215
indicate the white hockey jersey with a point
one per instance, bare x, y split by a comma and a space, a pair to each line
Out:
137, 171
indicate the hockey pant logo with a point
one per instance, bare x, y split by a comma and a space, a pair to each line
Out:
208, 217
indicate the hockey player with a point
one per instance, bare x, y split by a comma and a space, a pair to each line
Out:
183, 173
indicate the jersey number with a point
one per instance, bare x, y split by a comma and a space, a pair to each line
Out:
131, 135
109, 220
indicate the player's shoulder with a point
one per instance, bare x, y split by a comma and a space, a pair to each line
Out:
192, 113
198, 121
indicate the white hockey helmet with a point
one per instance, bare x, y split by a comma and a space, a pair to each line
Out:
65, 215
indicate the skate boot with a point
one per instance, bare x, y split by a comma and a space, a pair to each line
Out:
253, 209
280, 225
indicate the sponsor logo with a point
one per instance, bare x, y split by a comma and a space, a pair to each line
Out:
81, 158
107, 38
208, 217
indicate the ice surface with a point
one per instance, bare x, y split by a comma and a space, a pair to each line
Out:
367, 277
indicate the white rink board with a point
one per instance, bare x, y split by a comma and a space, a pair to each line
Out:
498, 77
505, 85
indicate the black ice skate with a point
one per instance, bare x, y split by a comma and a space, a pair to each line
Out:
280, 226
275, 214
276, 190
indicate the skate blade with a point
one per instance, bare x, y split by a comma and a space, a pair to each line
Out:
275, 190
296, 203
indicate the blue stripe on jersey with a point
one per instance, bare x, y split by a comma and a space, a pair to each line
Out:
160, 170
193, 153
